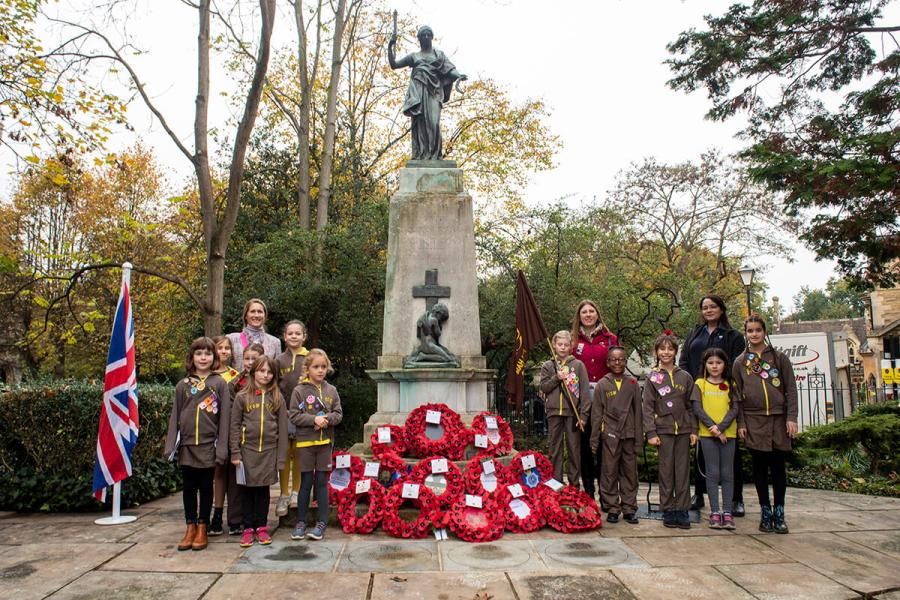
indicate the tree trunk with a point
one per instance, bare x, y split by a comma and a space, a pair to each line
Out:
330, 117
306, 86
215, 293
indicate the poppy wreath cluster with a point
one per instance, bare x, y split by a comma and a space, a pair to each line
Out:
450, 444
398, 443
532, 522
505, 443
347, 501
542, 466
471, 524
395, 526
356, 472
570, 510
474, 471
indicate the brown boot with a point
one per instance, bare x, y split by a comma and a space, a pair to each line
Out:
200, 541
188, 539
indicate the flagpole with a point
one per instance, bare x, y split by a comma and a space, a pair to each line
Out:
565, 387
117, 517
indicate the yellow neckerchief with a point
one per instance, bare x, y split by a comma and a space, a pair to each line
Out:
301, 352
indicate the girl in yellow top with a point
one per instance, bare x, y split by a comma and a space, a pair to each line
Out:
716, 407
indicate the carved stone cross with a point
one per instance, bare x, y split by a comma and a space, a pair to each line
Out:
431, 291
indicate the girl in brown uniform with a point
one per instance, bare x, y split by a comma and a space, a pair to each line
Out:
223, 481
198, 435
259, 443
290, 372
767, 419
671, 426
315, 410
564, 380
616, 426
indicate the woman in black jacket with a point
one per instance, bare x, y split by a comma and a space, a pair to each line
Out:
713, 330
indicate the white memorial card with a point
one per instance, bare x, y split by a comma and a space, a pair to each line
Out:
481, 441
342, 461
433, 416
528, 462
519, 508
490, 422
372, 469
410, 490
473, 501
439, 465
516, 490
363, 486
488, 466
384, 435
554, 485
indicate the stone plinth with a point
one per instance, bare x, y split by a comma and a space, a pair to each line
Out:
430, 228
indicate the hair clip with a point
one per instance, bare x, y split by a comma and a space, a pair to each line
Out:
667, 332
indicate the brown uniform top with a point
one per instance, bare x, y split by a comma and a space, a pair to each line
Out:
775, 394
309, 400
556, 403
200, 413
616, 413
256, 428
290, 370
668, 411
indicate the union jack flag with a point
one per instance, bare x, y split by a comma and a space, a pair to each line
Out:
118, 430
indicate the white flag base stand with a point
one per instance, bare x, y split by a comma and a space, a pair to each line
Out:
117, 517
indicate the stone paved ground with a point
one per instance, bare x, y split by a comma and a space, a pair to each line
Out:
840, 546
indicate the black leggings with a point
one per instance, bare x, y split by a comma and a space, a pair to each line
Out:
590, 463
197, 481
255, 504
763, 462
306, 484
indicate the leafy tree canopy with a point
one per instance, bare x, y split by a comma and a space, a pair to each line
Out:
827, 136
836, 301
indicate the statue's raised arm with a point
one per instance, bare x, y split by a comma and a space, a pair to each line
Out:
430, 84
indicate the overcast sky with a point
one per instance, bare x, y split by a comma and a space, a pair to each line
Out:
597, 64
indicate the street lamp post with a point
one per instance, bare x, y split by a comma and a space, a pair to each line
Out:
746, 273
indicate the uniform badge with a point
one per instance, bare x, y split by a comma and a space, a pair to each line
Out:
757, 369
766, 366
750, 356
656, 377
776, 382
773, 372
310, 399
532, 478
669, 404
764, 374
665, 390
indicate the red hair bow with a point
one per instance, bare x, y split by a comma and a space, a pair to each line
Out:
667, 332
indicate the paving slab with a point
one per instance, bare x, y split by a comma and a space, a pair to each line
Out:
396, 556
593, 585
170, 531
895, 595
707, 550
853, 565
666, 583
67, 533
441, 586
35, 570
501, 555
858, 501
867, 520
791, 581
887, 542
654, 528
587, 553
136, 586
278, 586
217, 558
318, 556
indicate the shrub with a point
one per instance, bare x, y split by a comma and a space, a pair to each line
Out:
876, 431
48, 436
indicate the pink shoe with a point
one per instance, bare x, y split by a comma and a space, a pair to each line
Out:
247, 538
715, 521
262, 535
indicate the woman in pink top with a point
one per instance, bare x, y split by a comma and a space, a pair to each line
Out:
591, 341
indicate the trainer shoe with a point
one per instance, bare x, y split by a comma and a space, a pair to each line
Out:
215, 524
247, 538
262, 535
293, 502
612, 518
299, 532
683, 519
715, 521
737, 508
235, 530
318, 531
631, 518
281, 507
727, 521
670, 518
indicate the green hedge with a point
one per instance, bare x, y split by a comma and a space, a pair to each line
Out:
48, 437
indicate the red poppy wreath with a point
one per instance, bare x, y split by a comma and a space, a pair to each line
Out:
478, 482
477, 524
571, 510
499, 439
397, 444
451, 480
448, 438
394, 525
393, 468
366, 523
530, 479
343, 478
523, 514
